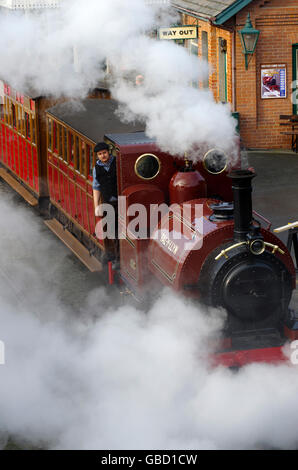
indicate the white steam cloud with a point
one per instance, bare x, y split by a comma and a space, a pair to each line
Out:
99, 377
62, 51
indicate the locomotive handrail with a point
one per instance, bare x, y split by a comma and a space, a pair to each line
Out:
275, 248
286, 227
224, 252
264, 219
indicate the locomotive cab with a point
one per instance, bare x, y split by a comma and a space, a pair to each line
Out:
155, 180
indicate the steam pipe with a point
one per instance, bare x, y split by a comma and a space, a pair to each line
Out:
242, 189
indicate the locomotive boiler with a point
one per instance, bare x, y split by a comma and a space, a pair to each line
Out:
226, 259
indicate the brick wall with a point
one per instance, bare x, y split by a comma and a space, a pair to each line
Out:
214, 33
277, 21
259, 118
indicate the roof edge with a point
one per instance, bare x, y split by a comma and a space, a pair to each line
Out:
193, 13
231, 11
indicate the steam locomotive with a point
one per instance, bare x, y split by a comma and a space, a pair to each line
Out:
201, 244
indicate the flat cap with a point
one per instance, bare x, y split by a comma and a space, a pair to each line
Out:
101, 146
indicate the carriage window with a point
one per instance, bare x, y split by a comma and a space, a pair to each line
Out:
49, 134
1, 111
83, 159
8, 113
77, 154
71, 148
55, 137
58, 139
23, 127
66, 155
33, 129
62, 143
6, 116
27, 126
14, 119
7, 110
20, 127
90, 159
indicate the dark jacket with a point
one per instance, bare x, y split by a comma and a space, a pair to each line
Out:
107, 180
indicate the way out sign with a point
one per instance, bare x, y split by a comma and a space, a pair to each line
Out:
179, 32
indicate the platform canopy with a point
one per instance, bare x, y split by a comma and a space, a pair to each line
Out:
218, 11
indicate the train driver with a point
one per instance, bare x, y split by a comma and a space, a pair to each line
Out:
104, 177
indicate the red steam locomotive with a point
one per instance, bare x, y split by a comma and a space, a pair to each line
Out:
201, 244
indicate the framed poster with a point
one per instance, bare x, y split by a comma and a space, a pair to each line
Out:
273, 81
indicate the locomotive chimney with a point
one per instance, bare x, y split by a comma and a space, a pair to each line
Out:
241, 185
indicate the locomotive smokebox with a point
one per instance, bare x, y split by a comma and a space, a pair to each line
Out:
242, 189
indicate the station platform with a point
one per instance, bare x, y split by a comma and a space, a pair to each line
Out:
275, 190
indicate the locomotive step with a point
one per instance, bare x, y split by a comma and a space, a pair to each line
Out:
74, 245
18, 187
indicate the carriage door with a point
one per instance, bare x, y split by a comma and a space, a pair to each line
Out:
295, 79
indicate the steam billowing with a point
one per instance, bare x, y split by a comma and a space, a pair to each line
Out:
104, 377
62, 51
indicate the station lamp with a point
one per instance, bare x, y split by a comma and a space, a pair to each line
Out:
249, 37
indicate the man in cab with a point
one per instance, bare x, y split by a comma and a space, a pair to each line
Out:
104, 177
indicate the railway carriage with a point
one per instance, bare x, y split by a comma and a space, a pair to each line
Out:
23, 139
23, 142
73, 131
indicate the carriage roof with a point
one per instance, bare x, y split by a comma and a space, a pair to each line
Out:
93, 118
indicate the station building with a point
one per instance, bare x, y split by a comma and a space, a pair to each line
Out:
260, 86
